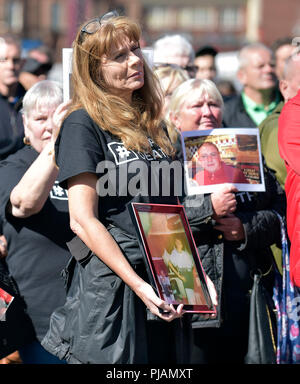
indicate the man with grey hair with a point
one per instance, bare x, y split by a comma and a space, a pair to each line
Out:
11, 125
260, 95
175, 49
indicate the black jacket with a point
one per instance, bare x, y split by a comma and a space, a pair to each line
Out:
235, 115
94, 297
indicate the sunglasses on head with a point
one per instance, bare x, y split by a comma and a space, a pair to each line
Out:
95, 24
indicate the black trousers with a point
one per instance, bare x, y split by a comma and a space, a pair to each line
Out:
225, 345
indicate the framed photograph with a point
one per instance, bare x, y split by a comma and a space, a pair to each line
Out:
5, 301
172, 260
224, 155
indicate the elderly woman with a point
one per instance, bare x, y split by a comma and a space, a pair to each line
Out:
112, 127
233, 232
35, 212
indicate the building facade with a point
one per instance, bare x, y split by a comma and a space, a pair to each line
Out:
225, 24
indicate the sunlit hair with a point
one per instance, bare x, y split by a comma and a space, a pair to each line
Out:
131, 123
172, 45
173, 73
245, 53
45, 93
291, 64
182, 93
10, 39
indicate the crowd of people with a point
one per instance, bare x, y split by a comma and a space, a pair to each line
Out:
72, 249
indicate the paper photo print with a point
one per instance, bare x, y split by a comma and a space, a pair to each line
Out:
218, 156
173, 262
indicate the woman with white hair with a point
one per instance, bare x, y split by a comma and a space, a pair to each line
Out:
175, 49
35, 216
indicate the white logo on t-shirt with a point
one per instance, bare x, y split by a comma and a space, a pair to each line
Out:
121, 154
58, 192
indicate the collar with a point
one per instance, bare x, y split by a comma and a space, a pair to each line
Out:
249, 103
258, 112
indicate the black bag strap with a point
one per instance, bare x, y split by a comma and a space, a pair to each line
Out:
78, 249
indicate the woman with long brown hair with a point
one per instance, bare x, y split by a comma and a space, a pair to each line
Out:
104, 151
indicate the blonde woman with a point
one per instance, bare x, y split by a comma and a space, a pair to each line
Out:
170, 77
235, 231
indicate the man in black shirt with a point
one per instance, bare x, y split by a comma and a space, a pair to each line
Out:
11, 125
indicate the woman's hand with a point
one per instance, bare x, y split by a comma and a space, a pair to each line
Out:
3, 246
231, 227
223, 200
58, 117
157, 306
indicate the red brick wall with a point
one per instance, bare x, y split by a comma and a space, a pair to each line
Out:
279, 17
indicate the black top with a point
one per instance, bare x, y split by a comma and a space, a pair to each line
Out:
123, 176
235, 114
36, 245
11, 128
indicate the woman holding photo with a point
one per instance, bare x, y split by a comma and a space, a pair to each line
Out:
233, 232
113, 124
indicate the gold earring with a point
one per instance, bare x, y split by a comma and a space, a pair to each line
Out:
26, 140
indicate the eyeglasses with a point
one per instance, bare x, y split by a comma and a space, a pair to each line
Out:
94, 25
191, 69
166, 65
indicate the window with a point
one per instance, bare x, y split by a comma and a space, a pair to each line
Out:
14, 15
55, 17
204, 18
185, 17
197, 18
231, 18
160, 18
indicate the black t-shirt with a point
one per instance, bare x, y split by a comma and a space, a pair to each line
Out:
11, 129
123, 176
37, 252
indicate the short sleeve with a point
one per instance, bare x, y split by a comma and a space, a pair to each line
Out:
12, 170
78, 147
